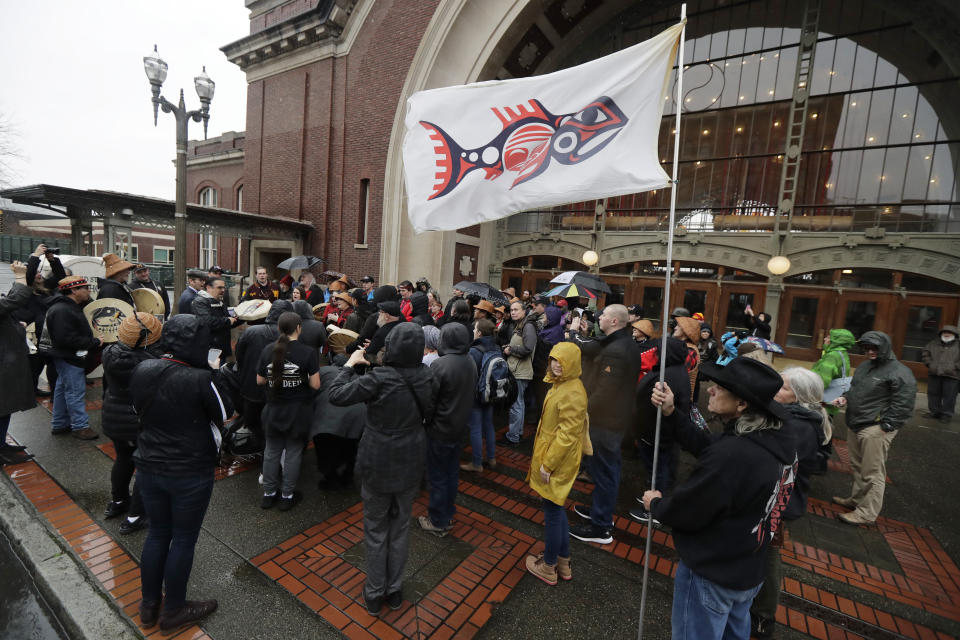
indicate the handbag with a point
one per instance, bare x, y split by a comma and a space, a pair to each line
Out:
837, 386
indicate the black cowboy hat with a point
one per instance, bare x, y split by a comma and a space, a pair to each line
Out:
750, 380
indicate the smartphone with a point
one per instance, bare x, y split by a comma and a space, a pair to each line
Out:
232, 312
748, 308
213, 355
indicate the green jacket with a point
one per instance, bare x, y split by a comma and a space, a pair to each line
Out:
883, 391
834, 358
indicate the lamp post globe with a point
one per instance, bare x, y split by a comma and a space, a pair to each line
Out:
590, 258
778, 265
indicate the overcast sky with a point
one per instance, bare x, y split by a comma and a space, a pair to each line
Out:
72, 85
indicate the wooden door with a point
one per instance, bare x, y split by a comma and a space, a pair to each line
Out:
861, 311
697, 296
805, 319
919, 319
732, 300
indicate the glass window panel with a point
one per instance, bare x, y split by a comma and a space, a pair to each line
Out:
871, 169
653, 304
844, 56
864, 65
878, 123
853, 133
788, 62
894, 172
822, 65
859, 317
923, 325
695, 300
803, 317
616, 294
735, 306
754, 38
767, 77
901, 123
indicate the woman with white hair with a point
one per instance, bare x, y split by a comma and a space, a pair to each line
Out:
801, 396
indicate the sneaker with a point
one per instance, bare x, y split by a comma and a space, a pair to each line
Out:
288, 503
40, 393
85, 434
590, 532
850, 503
853, 518
469, 466
149, 614
545, 572
15, 457
395, 600
582, 510
129, 526
642, 515
427, 525
490, 463
584, 476
564, 569
505, 442
12, 448
266, 502
116, 508
374, 606
190, 613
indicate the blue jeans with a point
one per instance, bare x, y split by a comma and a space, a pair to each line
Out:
481, 428
703, 610
443, 473
556, 535
515, 431
175, 506
69, 398
605, 470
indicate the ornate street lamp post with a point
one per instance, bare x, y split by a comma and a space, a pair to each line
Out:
156, 70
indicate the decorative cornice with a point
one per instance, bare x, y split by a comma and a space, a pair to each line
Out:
232, 156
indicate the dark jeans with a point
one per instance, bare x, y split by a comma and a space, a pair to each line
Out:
605, 470
37, 363
175, 506
765, 603
942, 395
481, 428
666, 464
4, 427
443, 470
120, 476
556, 535
335, 458
251, 416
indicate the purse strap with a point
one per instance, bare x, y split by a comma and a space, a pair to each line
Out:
416, 398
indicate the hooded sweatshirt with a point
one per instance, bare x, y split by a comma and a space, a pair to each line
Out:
725, 514
420, 309
178, 404
386, 293
709, 349
677, 379
391, 453
883, 391
943, 358
312, 332
552, 331
251, 344
454, 384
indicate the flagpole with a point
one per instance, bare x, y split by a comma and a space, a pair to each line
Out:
666, 312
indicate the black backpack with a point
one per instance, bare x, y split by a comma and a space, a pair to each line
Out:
496, 384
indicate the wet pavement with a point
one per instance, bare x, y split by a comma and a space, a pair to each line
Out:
24, 615
298, 574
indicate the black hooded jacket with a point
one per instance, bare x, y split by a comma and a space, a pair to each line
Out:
251, 344
312, 332
677, 379
420, 308
612, 383
806, 427
108, 288
178, 404
454, 385
120, 421
709, 348
725, 514
391, 453
36, 308
386, 293
69, 330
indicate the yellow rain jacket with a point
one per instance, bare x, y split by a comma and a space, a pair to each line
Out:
562, 429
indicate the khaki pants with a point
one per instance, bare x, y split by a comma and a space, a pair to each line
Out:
868, 459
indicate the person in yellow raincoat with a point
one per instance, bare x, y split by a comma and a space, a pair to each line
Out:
560, 440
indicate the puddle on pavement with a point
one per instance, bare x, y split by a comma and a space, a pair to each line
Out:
23, 613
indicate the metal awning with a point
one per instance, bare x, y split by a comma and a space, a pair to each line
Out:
90, 205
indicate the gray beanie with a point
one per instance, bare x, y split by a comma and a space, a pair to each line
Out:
431, 337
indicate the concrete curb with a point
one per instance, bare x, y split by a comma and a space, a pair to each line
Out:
84, 610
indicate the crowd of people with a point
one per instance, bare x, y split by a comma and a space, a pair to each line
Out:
391, 383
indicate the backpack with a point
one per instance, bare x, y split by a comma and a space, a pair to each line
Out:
496, 384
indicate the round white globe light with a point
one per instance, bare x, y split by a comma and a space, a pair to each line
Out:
590, 258
778, 265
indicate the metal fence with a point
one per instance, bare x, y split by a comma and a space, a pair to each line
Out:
21, 247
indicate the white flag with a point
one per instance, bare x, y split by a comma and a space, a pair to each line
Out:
483, 151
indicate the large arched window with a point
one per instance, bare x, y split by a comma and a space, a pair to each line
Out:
207, 197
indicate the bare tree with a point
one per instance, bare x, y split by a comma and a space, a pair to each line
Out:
9, 151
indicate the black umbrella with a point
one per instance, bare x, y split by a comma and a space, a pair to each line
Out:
583, 278
299, 262
483, 290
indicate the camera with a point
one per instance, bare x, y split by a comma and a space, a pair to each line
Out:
52, 251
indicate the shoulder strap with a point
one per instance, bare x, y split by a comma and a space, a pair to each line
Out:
416, 398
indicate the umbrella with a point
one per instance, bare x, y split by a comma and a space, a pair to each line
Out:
483, 290
765, 344
299, 262
330, 276
585, 278
571, 291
